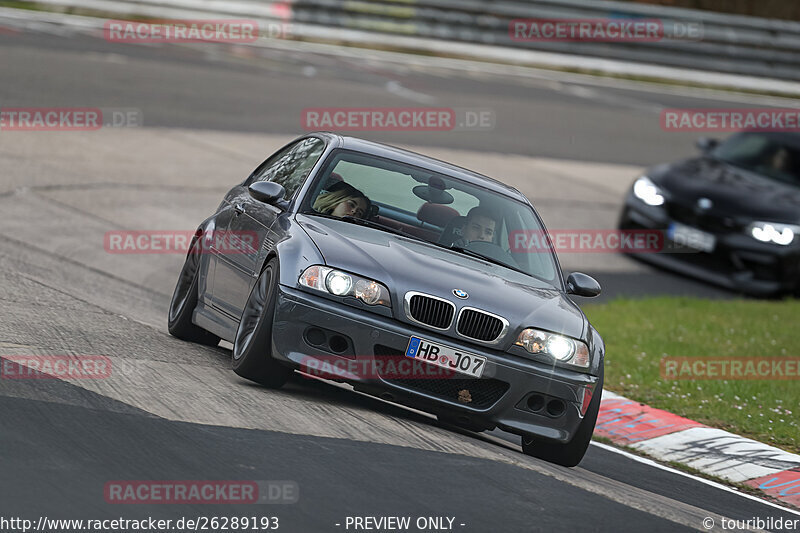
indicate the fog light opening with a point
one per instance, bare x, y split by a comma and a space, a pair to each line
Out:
337, 344
555, 408
535, 402
315, 336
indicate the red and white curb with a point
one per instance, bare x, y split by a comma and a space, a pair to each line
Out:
669, 437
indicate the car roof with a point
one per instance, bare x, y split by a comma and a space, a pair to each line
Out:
413, 158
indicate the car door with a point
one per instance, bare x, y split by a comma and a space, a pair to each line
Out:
221, 221
249, 228
214, 237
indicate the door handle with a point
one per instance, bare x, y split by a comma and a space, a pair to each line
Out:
239, 208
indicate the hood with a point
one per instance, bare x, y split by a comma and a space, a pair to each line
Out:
404, 264
734, 192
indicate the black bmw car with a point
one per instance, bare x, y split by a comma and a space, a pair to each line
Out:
392, 271
731, 216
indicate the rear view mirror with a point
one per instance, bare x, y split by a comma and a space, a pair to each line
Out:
581, 284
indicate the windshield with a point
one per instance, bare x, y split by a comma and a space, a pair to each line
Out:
432, 207
765, 154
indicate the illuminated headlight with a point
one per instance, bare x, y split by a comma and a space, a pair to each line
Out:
338, 283
647, 191
782, 234
559, 347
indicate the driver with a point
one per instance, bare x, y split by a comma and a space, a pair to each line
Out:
479, 226
781, 160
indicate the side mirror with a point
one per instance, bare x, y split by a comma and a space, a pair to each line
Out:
581, 284
268, 192
706, 144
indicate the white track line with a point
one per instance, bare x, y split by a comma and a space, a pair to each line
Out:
651, 462
638, 458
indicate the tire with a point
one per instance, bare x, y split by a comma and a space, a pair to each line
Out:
571, 453
252, 347
184, 301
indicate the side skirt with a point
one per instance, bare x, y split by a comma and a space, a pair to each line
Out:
212, 321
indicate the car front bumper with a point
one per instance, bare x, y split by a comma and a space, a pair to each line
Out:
738, 262
500, 398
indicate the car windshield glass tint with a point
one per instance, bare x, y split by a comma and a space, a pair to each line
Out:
764, 154
434, 207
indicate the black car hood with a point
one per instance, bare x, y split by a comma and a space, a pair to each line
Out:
404, 264
734, 192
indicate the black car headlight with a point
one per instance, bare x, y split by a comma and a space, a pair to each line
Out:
774, 232
647, 191
339, 283
562, 349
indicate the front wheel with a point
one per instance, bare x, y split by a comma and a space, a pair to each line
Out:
184, 300
571, 453
252, 347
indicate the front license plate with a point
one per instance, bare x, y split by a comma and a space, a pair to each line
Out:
691, 237
446, 357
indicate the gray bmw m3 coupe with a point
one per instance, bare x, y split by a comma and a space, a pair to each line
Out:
396, 273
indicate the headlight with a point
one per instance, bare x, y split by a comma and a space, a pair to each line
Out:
647, 191
368, 291
338, 283
774, 232
559, 347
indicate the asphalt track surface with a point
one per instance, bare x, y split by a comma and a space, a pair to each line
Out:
174, 411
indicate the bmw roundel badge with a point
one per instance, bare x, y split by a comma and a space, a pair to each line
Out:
460, 294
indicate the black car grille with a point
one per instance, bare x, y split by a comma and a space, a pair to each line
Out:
477, 325
731, 262
477, 393
701, 220
431, 311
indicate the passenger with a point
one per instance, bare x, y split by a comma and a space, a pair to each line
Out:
341, 200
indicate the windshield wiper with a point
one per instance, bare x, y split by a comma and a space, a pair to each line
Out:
763, 172
477, 255
737, 164
370, 224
